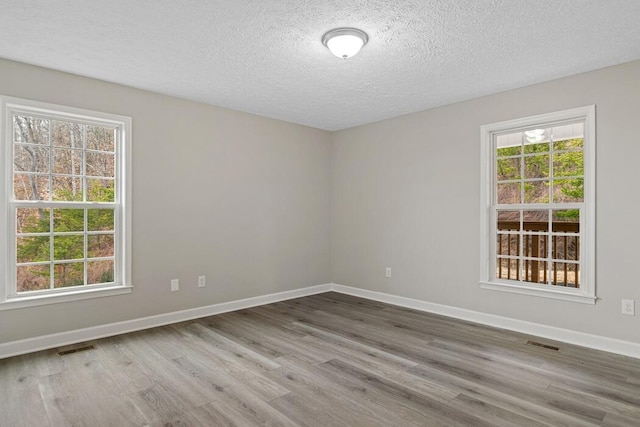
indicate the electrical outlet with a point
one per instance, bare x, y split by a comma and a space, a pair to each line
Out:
202, 281
387, 272
628, 307
175, 285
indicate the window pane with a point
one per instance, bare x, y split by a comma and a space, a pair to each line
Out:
99, 138
568, 136
100, 219
68, 162
514, 269
32, 249
508, 220
535, 245
536, 220
32, 220
100, 190
509, 144
30, 187
566, 220
31, 130
66, 220
536, 166
71, 274
32, 278
100, 272
508, 193
100, 245
508, 169
565, 274
568, 164
68, 247
536, 271
100, 164
67, 189
67, 134
568, 190
30, 158
536, 192
508, 244
565, 248
508, 269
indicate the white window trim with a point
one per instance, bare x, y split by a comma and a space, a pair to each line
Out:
587, 292
123, 282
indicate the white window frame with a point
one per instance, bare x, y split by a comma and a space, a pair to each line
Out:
587, 292
9, 298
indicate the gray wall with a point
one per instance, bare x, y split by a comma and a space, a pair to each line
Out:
243, 199
273, 206
405, 194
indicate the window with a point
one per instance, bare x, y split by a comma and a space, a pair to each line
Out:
538, 194
65, 192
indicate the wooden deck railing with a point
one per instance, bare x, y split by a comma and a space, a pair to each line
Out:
564, 247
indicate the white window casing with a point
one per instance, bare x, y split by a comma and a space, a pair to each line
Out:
583, 289
118, 278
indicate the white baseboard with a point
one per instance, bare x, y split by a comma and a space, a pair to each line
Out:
626, 348
597, 342
29, 345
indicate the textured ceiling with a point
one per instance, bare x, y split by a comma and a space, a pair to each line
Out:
265, 57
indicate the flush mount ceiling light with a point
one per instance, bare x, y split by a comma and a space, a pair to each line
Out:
345, 42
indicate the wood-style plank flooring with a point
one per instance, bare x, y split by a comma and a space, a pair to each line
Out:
324, 360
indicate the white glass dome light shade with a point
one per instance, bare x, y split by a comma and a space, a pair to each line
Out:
345, 46
345, 42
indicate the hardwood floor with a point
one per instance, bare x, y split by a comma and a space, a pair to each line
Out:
324, 360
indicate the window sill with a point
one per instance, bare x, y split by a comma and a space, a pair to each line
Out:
543, 293
83, 294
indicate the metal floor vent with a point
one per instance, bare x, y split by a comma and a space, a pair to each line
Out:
76, 350
547, 346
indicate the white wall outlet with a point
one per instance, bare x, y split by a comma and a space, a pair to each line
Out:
628, 307
387, 272
202, 281
175, 285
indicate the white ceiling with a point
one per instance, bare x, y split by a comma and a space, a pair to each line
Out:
265, 57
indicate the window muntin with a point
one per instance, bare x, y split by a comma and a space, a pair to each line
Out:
538, 187
66, 200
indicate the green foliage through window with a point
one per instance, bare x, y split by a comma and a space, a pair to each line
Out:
51, 158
